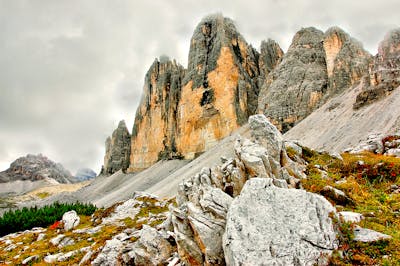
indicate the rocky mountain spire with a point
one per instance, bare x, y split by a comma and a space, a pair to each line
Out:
384, 72
293, 90
217, 45
346, 60
316, 67
270, 56
117, 150
156, 126
220, 88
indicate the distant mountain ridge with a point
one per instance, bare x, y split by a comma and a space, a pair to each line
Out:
84, 174
36, 167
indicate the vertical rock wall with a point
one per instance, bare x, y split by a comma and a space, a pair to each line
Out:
293, 90
220, 88
155, 127
346, 60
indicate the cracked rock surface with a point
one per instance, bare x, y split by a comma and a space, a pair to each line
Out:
267, 225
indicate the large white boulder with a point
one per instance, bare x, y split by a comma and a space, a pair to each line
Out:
267, 225
70, 220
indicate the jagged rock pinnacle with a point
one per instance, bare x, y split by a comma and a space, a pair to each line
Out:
117, 150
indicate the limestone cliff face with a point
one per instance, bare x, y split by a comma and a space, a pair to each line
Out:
316, 67
294, 89
384, 72
155, 128
346, 60
117, 150
185, 112
220, 89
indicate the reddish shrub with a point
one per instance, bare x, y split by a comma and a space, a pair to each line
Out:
56, 225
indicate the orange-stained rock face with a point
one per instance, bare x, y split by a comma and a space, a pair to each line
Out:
153, 135
200, 127
332, 45
146, 146
346, 60
185, 112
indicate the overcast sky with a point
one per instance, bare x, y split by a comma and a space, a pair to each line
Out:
70, 70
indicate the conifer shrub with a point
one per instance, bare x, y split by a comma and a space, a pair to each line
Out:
26, 218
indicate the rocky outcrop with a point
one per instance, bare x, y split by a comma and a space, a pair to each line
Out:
267, 225
378, 144
118, 150
199, 220
295, 88
203, 201
367, 235
384, 72
189, 111
346, 60
36, 167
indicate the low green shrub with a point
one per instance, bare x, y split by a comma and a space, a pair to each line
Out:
27, 218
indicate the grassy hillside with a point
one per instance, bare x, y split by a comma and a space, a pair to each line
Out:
371, 182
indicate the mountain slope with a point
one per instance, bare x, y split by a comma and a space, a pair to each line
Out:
336, 126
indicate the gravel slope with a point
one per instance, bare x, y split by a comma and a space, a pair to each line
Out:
162, 179
335, 126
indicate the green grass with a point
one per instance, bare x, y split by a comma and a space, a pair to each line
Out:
368, 180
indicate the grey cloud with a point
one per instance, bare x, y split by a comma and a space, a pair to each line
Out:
70, 70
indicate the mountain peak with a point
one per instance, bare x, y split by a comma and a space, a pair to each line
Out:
117, 150
122, 124
36, 167
391, 43
210, 35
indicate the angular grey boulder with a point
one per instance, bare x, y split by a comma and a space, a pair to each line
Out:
151, 248
199, 222
267, 225
368, 235
267, 135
